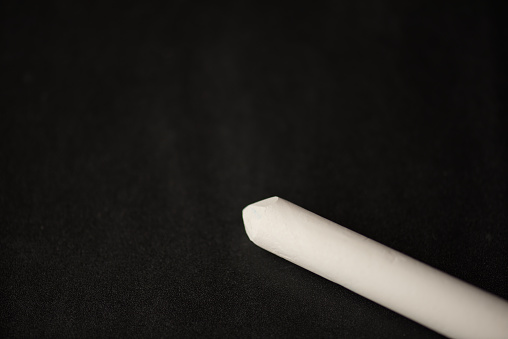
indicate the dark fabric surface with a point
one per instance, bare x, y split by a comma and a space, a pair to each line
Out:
133, 136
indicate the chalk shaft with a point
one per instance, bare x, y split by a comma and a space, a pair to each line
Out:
409, 287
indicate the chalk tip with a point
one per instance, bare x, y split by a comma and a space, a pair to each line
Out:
254, 213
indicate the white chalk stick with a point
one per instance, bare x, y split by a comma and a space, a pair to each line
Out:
409, 287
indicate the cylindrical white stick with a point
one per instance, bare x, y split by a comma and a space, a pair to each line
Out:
428, 296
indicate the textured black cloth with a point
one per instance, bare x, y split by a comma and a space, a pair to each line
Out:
131, 138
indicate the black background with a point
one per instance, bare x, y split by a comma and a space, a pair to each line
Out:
132, 136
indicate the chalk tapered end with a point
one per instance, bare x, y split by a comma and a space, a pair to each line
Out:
253, 213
